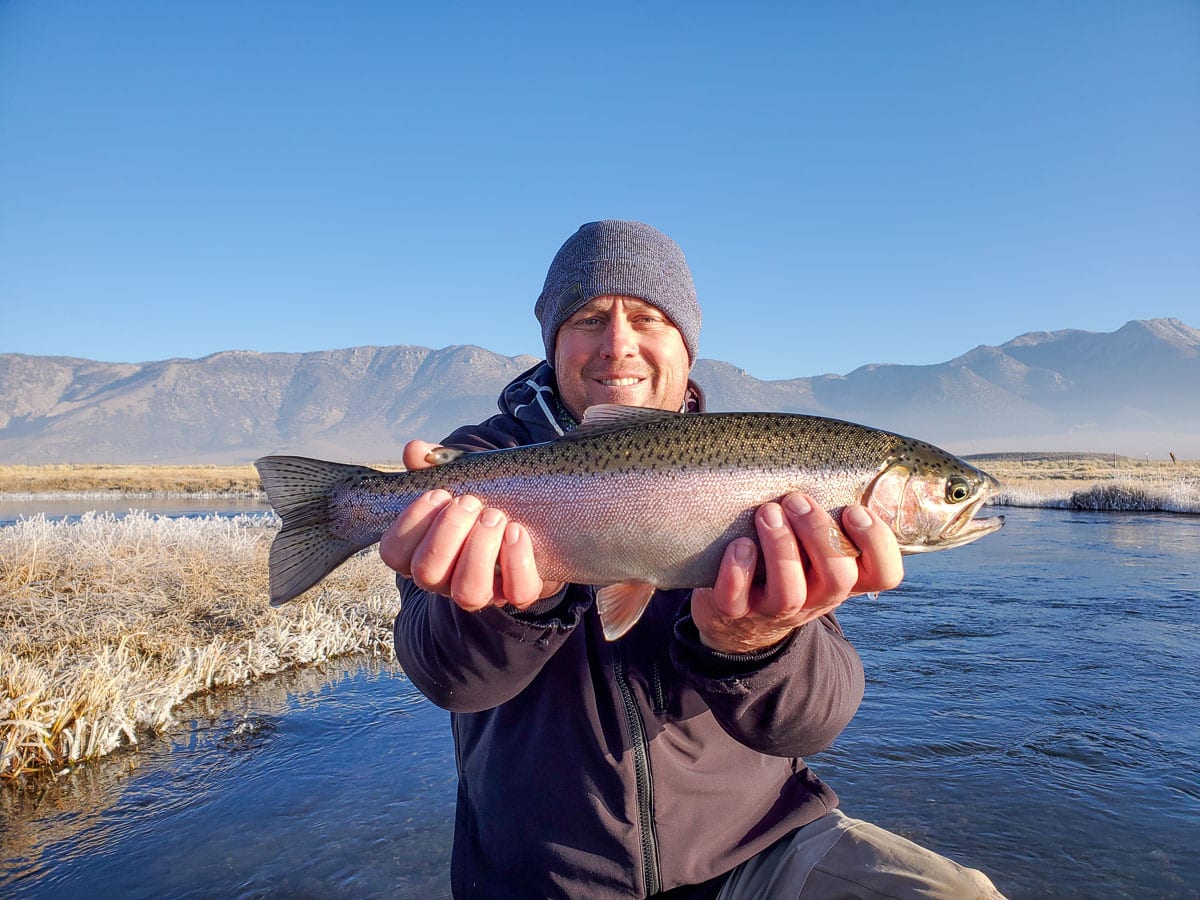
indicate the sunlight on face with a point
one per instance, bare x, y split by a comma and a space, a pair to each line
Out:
620, 350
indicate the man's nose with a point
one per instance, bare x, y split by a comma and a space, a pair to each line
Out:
619, 340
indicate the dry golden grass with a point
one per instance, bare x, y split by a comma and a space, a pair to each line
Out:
106, 624
232, 481
1082, 469
87, 479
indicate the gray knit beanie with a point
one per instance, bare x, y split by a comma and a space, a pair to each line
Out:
630, 259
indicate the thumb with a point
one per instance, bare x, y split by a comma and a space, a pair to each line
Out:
415, 453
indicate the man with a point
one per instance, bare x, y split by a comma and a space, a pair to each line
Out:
668, 760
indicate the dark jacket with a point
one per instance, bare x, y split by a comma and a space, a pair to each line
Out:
596, 769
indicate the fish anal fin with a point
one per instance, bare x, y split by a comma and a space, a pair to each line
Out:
621, 605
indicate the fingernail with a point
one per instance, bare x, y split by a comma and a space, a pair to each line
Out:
512, 533
797, 504
470, 503
772, 515
858, 517
743, 552
491, 517
438, 497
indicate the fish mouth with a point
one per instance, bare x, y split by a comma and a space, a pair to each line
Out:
965, 528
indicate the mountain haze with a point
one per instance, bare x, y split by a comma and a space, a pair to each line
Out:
1134, 391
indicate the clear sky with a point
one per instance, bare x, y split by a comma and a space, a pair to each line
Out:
853, 182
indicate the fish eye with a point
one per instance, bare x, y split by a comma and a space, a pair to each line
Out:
958, 489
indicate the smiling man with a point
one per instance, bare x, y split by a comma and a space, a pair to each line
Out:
668, 761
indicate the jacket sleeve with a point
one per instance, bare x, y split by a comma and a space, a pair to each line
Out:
791, 700
472, 661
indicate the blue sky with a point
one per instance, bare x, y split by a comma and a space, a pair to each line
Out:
852, 182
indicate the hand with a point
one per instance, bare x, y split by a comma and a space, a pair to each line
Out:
456, 547
809, 568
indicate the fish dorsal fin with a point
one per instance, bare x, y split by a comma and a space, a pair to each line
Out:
621, 605
607, 417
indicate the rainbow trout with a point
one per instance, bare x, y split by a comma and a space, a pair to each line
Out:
635, 499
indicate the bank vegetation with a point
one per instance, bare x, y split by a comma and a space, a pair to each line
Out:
107, 623
1095, 481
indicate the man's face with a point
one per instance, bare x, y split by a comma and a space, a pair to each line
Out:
620, 350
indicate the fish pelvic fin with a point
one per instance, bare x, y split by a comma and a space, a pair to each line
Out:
306, 549
621, 605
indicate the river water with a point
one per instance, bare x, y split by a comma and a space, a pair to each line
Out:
1032, 708
70, 509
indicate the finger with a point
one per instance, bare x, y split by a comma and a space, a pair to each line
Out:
415, 452
730, 593
783, 564
881, 567
832, 560
400, 541
522, 586
473, 584
434, 559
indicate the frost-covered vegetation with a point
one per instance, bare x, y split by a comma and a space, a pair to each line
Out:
1095, 481
106, 624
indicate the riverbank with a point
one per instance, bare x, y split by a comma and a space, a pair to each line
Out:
1094, 481
107, 623
68, 480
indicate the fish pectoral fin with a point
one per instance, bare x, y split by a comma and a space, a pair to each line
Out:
441, 455
621, 605
840, 545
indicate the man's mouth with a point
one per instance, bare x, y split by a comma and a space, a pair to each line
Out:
628, 381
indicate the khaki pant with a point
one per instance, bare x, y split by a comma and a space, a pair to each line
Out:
837, 857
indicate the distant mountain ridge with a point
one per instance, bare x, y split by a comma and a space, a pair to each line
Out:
1134, 391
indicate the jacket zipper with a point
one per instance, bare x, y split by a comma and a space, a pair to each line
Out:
641, 767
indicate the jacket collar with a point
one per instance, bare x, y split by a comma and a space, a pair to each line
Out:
532, 398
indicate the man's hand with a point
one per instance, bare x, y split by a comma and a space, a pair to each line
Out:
809, 572
456, 547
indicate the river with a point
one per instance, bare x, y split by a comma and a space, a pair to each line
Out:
1032, 708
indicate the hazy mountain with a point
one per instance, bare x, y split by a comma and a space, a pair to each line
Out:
1134, 391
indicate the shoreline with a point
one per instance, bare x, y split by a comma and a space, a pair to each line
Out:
108, 623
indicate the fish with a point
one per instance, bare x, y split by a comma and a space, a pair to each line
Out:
635, 499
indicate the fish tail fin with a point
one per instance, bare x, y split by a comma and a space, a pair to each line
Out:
306, 549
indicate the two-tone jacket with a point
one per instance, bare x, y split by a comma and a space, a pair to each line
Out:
590, 768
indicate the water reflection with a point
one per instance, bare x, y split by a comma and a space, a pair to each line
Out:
337, 782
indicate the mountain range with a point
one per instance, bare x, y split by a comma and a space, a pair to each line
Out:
1134, 391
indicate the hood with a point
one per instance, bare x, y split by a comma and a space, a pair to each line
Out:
532, 398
